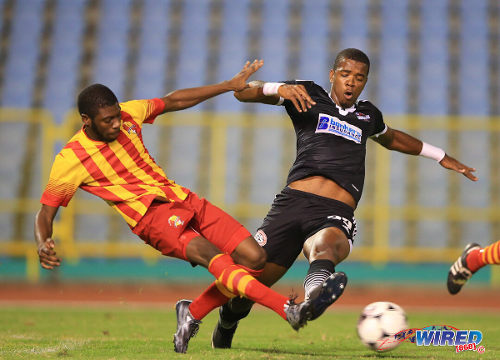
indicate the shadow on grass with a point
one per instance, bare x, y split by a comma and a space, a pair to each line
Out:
279, 351
373, 355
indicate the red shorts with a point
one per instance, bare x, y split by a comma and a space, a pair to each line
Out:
169, 227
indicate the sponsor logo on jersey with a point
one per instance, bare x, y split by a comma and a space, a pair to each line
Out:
332, 125
175, 221
362, 116
129, 127
261, 237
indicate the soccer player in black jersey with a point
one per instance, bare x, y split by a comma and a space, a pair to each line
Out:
315, 211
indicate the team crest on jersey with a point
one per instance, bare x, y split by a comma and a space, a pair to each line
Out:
362, 116
261, 237
129, 127
332, 125
175, 221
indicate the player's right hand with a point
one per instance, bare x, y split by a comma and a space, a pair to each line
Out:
239, 81
47, 254
298, 95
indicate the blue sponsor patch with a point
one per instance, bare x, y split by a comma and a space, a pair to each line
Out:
333, 125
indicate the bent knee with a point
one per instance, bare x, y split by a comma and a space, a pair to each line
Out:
250, 254
330, 243
257, 258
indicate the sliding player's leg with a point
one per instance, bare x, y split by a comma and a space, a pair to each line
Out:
232, 280
472, 259
238, 308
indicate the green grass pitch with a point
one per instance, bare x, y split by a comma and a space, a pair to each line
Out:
146, 333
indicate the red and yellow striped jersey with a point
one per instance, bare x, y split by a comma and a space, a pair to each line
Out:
120, 172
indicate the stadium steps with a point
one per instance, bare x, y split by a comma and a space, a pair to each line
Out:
214, 16
7, 8
493, 22
29, 159
45, 44
89, 43
132, 57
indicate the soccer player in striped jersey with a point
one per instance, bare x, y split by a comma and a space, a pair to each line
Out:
314, 213
107, 158
472, 259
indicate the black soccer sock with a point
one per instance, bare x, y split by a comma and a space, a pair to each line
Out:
319, 271
234, 310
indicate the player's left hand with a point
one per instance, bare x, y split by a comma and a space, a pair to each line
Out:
239, 81
450, 163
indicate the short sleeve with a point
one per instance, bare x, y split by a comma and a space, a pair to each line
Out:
65, 177
143, 111
379, 125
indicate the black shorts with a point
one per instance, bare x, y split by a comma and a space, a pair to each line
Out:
294, 217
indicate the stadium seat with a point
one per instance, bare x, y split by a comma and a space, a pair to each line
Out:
392, 71
153, 50
314, 63
23, 49
474, 100
112, 48
193, 52
64, 61
233, 51
355, 32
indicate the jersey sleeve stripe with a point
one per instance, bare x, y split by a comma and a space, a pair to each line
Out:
155, 108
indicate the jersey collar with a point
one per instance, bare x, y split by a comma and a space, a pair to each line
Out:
343, 112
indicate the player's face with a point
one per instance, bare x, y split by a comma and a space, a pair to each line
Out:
106, 124
348, 81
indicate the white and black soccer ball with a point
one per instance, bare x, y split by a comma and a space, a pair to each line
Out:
379, 323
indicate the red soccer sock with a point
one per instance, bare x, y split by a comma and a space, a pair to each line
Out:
474, 261
491, 254
210, 299
236, 280
488, 255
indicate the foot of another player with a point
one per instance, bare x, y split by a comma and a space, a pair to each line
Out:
222, 337
297, 314
459, 272
187, 326
331, 289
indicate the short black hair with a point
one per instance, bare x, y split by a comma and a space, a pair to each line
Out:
352, 54
94, 97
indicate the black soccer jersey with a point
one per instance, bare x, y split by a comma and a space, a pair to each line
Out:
331, 141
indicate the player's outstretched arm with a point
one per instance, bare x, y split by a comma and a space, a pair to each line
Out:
453, 164
272, 93
43, 237
400, 141
185, 98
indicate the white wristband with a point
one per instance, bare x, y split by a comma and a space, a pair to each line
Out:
271, 88
432, 152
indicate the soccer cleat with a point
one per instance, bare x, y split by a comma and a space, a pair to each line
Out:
331, 289
222, 338
298, 314
187, 326
459, 272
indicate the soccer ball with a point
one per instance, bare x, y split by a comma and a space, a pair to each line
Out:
379, 323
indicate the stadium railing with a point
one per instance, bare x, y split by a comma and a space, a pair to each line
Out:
379, 243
